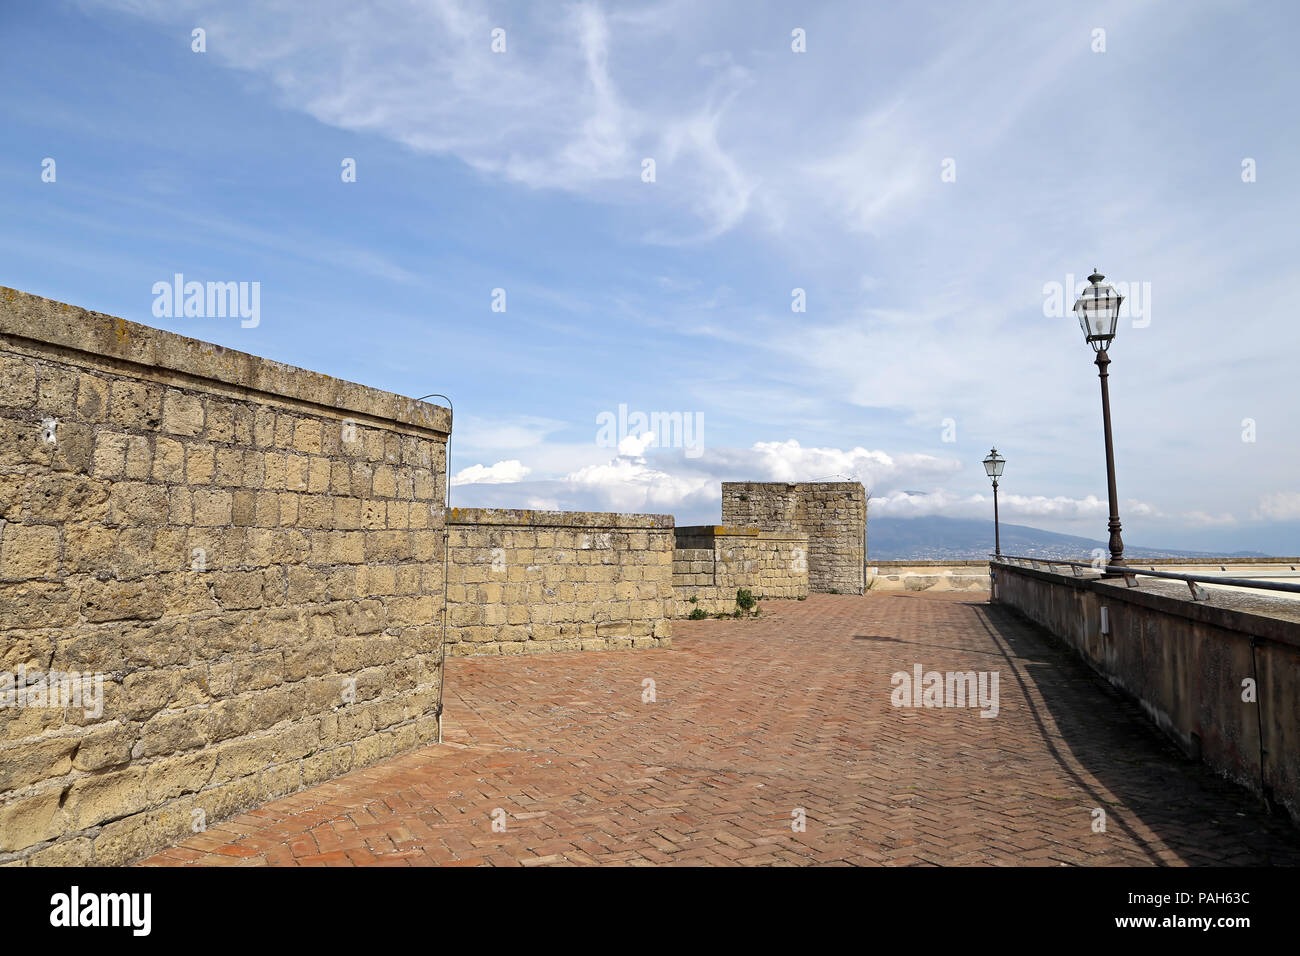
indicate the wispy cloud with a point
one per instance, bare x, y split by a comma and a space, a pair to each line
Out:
1280, 506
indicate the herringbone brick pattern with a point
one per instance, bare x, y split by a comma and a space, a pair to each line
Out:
755, 720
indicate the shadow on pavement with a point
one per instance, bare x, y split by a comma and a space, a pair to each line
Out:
1157, 791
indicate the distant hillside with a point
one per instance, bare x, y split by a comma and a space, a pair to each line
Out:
951, 539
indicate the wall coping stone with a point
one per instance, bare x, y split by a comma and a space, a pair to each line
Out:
607, 520
32, 318
1145, 563
736, 531
1205, 562
792, 484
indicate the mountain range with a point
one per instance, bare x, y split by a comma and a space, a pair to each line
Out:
953, 539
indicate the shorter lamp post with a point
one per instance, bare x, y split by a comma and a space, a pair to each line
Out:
994, 464
1098, 314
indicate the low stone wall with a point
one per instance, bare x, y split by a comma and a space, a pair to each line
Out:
928, 576
227, 569
1191, 666
713, 562
536, 581
833, 514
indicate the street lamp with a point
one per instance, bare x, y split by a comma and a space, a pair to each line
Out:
994, 464
1098, 313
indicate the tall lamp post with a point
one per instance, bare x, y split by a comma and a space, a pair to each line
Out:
994, 464
1098, 314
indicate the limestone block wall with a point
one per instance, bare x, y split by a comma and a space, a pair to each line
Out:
244, 557
832, 513
537, 581
712, 562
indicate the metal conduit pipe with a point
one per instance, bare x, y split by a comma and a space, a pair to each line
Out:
446, 503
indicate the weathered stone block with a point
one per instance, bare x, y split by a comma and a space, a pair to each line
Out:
182, 414
107, 796
30, 820
29, 551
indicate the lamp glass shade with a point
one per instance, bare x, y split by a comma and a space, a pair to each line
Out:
1098, 311
994, 464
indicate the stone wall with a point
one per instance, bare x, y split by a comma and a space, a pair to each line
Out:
246, 556
712, 562
833, 514
535, 581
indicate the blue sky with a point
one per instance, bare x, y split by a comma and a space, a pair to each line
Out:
924, 339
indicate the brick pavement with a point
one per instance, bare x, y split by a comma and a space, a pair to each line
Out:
753, 719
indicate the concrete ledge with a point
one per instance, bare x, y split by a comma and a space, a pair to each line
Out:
1257, 625
35, 323
926, 564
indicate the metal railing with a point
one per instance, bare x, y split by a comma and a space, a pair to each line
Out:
1130, 575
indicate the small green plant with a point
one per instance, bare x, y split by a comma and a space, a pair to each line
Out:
835, 590
736, 614
698, 614
803, 597
694, 598
745, 600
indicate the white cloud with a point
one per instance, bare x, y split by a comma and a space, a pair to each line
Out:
1011, 507
670, 483
1204, 519
634, 446
879, 471
626, 484
501, 473
1281, 506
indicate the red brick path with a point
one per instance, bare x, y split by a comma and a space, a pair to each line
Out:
753, 720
